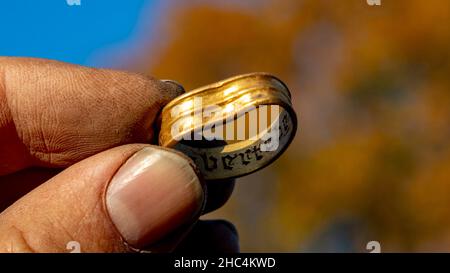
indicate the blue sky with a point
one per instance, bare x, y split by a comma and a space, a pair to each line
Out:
53, 29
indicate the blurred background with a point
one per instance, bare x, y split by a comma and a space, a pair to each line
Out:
370, 84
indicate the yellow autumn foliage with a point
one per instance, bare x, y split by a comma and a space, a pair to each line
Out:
371, 86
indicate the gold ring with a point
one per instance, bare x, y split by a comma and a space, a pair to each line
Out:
233, 127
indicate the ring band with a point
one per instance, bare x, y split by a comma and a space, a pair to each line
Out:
233, 127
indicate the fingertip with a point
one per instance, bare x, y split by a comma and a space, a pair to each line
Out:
175, 86
152, 194
212, 236
219, 192
82, 111
169, 89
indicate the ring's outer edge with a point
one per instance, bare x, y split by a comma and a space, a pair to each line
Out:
286, 105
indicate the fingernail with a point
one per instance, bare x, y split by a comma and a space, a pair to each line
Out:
175, 85
152, 194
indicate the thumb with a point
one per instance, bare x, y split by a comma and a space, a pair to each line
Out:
125, 198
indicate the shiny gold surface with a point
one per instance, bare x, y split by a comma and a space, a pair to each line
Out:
222, 159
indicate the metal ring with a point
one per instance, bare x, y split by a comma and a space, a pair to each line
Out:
215, 125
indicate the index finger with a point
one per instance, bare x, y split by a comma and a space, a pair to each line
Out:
54, 114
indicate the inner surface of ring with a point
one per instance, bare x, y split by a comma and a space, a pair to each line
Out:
220, 159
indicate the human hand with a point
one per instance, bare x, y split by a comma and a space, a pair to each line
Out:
73, 166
